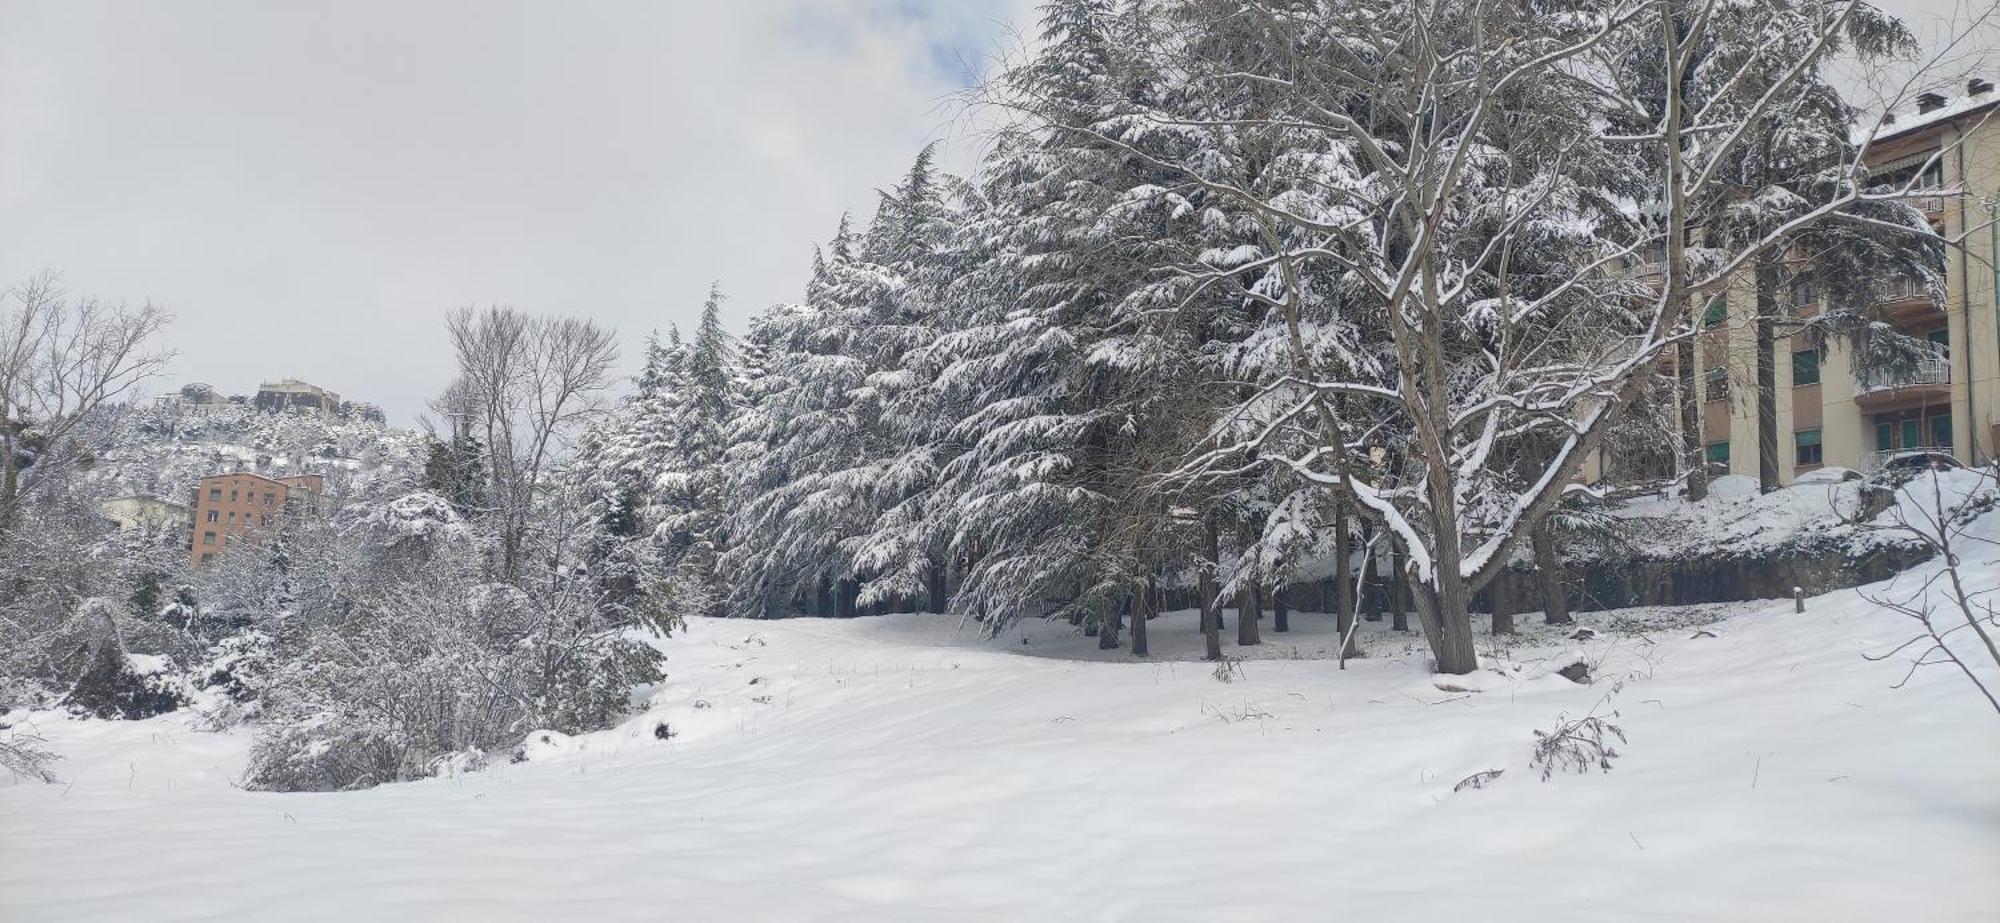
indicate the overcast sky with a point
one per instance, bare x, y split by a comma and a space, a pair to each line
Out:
309, 187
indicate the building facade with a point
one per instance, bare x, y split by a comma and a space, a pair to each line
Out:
140, 512
293, 394
1832, 414
233, 508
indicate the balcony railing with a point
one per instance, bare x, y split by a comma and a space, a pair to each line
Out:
1902, 288
1874, 461
1925, 372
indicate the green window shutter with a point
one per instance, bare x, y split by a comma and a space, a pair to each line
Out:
1718, 452
1806, 447
1805, 368
1941, 430
1717, 311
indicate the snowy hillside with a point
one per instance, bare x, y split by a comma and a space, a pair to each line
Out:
898, 768
162, 450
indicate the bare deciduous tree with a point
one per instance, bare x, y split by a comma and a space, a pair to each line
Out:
525, 385
1925, 515
60, 359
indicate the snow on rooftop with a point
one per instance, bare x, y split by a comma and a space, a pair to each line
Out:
1911, 116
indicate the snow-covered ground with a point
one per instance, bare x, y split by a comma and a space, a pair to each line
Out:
897, 769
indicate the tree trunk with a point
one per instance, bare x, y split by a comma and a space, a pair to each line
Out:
1694, 462
1247, 615
1767, 372
10, 475
1503, 606
1211, 607
1107, 633
1281, 615
1442, 611
849, 591
1371, 582
1140, 617
1399, 591
1343, 577
939, 600
1548, 570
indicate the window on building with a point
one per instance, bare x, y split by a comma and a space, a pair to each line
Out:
1804, 293
264, 520
215, 494
1940, 430
1718, 384
1806, 445
1805, 367
232, 496
1941, 338
213, 515
208, 538
1717, 311
1719, 452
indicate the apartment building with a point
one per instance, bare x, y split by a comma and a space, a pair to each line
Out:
234, 508
138, 512
1830, 413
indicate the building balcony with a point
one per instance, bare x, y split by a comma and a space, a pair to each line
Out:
1919, 457
1907, 301
1926, 382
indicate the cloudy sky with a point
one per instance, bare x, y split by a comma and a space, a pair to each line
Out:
309, 187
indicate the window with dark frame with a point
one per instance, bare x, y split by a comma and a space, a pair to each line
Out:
1805, 368
1806, 446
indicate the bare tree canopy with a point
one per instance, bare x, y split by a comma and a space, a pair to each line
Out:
62, 357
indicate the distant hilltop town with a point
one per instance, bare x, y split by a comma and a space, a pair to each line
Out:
286, 395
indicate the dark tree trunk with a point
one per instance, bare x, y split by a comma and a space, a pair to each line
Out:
1399, 591
823, 599
1247, 614
1693, 462
1503, 606
1205, 591
1548, 570
1767, 372
1140, 618
1107, 636
1371, 581
850, 593
1281, 615
939, 600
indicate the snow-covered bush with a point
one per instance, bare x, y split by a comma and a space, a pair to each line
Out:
76, 597
414, 654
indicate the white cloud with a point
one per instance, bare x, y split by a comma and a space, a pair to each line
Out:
311, 187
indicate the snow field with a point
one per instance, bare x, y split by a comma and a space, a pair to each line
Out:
900, 768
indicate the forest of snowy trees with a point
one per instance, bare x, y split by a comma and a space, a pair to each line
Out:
1245, 287
1242, 295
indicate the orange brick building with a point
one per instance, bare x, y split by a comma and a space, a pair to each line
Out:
233, 508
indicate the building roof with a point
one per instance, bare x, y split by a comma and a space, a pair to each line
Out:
147, 498
242, 474
1908, 119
